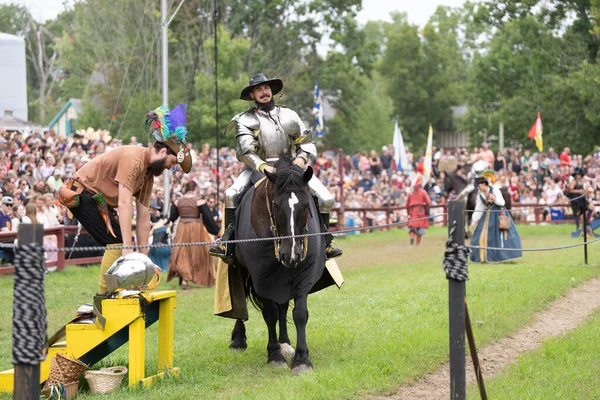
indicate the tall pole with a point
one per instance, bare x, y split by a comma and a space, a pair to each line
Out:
342, 213
456, 309
165, 92
215, 17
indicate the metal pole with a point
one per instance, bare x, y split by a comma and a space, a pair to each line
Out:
216, 17
456, 309
27, 376
165, 92
342, 216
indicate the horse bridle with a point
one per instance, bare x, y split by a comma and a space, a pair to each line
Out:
273, 227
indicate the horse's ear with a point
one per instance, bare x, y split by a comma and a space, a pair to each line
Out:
308, 174
270, 176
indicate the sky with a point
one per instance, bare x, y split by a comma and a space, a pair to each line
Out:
418, 11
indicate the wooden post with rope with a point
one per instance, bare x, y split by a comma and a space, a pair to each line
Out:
28, 335
456, 308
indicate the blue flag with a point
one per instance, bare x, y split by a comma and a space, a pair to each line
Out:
318, 111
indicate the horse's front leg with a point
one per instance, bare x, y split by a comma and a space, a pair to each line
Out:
301, 363
238, 336
270, 312
284, 340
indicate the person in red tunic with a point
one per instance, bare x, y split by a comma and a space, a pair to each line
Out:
417, 205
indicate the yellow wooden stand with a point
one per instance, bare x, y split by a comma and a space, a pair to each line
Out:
125, 321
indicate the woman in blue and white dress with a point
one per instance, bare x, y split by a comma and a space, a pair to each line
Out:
485, 225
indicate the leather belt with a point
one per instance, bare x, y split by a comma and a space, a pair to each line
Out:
77, 186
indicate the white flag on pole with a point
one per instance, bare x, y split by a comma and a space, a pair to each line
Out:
400, 151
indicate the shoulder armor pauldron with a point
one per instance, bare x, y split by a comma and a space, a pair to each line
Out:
247, 119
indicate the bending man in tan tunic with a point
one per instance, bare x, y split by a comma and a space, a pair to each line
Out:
101, 193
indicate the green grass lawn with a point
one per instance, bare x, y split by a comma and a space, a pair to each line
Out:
387, 325
563, 368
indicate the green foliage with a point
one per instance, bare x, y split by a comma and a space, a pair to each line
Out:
426, 70
535, 63
14, 18
504, 59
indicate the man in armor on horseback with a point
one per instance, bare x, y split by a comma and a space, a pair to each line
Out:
263, 133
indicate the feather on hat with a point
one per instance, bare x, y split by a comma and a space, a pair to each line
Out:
168, 127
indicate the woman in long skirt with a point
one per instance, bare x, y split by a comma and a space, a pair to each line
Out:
489, 231
192, 263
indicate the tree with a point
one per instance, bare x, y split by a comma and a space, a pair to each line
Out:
529, 66
14, 19
426, 73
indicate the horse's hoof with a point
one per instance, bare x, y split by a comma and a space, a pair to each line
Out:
237, 347
278, 364
286, 350
302, 369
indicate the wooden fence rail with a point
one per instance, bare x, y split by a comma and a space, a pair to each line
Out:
62, 261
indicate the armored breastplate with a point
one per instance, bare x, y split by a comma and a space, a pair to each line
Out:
273, 140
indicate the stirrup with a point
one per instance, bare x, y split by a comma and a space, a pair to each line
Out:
218, 250
332, 252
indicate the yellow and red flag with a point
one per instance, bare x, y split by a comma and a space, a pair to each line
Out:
536, 133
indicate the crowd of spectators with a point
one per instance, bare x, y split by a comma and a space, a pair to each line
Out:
33, 167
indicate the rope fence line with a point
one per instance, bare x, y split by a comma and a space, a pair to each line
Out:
336, 233
190, 244
537, 248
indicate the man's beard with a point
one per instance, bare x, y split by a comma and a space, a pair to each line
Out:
157, 167
266, 106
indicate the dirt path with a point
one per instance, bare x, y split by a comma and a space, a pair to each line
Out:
563, 315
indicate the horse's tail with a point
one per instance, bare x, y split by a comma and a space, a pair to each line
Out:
251, 293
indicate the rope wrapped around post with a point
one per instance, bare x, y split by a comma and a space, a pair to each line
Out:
456, 258
29, 305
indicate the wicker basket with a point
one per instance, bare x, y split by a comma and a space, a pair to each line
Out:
65, 370
58, 391
106, 380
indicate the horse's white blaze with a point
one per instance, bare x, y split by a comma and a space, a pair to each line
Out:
291, 203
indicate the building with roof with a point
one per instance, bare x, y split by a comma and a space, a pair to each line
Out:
10, 123
13, 76
65, 122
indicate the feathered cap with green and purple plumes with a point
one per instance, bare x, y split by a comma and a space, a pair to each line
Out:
168, 124
168, 127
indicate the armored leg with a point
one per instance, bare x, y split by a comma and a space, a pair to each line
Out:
326, 201
330, 251
225, 251
233, 196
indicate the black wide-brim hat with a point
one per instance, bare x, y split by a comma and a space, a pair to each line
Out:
261, 79
481, 179
578, 170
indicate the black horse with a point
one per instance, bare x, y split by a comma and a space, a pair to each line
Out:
456, 184
279, 270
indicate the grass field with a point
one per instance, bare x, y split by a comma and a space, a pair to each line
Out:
387, 325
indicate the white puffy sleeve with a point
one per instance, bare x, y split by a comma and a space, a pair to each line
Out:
479, 208
498, 198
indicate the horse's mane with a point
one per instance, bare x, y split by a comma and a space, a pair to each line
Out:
455, 176
288, 177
